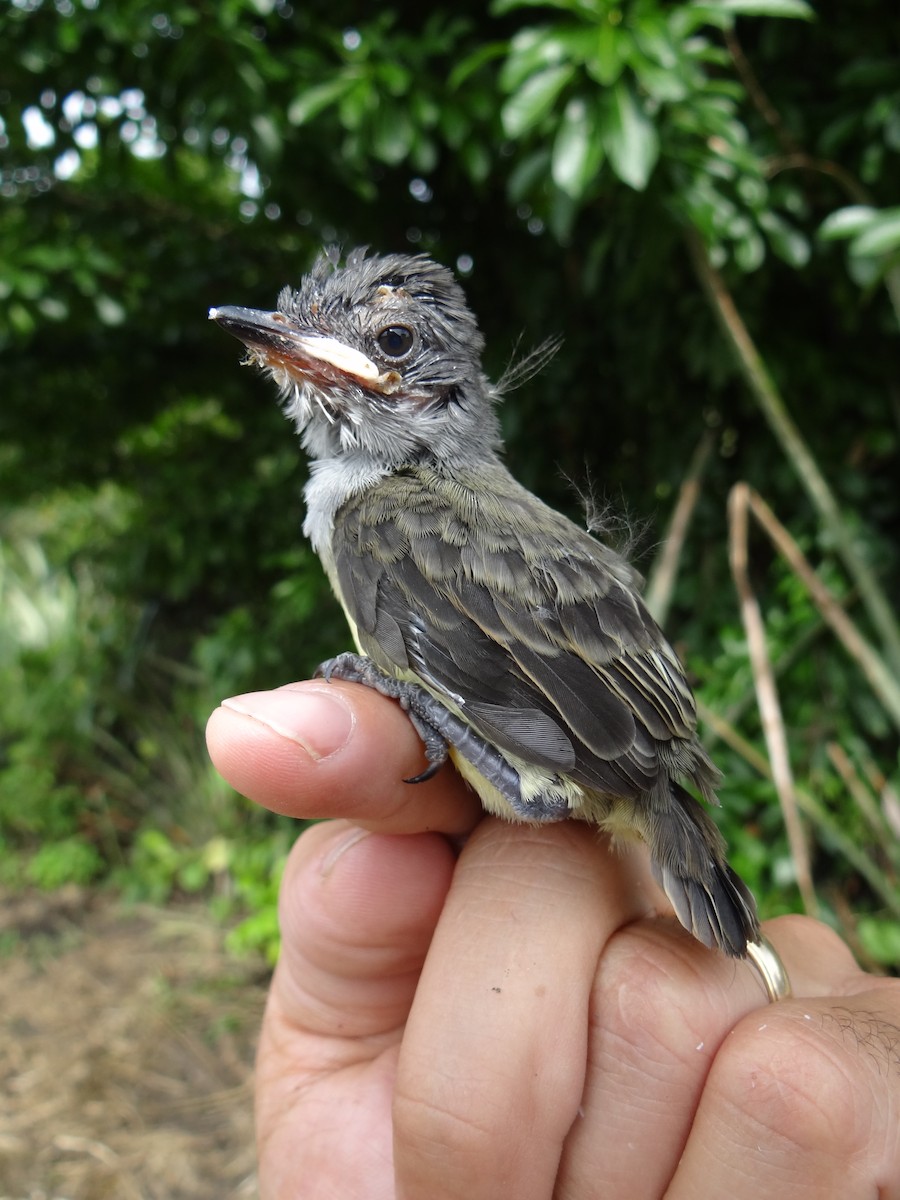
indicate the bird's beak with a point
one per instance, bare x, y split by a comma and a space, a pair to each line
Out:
272, 341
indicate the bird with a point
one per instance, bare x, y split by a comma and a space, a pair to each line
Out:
516, 641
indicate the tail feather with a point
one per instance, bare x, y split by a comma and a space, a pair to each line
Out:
709, 898
719, 913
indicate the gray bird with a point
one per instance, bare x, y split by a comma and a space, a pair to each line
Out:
517, 642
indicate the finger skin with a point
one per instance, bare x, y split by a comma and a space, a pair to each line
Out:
357, 914
680, 1040
796, 1106
492, 1067
661, 1006
317, 749
803, 1100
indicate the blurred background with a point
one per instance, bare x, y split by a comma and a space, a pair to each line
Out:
701, 198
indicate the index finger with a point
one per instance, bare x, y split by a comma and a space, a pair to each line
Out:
316, 749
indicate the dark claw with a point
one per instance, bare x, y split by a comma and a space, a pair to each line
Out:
436, 748
430, 771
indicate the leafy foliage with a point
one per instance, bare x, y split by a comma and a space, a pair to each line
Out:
154, 163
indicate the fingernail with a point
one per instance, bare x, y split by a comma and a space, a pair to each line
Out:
320, 721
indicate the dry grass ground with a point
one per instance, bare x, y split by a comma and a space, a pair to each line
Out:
126, 1053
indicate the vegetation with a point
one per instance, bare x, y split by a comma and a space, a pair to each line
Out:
701, 196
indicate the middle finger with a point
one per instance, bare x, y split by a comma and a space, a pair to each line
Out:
660, 1008
492, 1067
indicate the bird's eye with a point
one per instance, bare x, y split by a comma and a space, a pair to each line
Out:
395, 340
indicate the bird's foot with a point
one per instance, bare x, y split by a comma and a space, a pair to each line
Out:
413, 699
439, 729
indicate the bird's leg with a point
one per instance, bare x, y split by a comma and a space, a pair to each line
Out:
436, 725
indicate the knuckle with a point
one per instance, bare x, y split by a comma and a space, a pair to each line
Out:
649, 1004
790, 1081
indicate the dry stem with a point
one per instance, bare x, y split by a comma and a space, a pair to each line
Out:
658, 596
775, 410
767, 694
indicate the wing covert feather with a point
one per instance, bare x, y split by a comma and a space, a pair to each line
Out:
533, 627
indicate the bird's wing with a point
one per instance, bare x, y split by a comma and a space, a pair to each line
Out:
529, 625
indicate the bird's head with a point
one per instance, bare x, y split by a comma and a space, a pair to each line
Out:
380, 356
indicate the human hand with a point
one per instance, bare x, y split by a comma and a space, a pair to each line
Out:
524, 1019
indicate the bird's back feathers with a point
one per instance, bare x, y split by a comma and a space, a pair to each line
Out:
506, 608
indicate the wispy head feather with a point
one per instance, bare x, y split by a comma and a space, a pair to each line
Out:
521, 370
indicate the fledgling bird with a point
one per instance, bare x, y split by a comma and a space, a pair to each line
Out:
515, 640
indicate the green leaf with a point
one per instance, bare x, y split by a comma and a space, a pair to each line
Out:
52, 308
892, 131
881, 938
527, 175
69, 860
109, 310
267, 134
424, 111
846, 222
424, 155
530, 52
750, 251
768, 8
667, 87
474, 62
251, 78
455, 125
577, 150
393, 134
499, 7
629, 137
865, 272
881, 237
313, 100
787, 241
609, 53
393, 77
685, 19
69, 36
355, 105
534, 99
476, 160
654, 38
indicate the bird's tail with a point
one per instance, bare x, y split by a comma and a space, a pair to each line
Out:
709, 898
